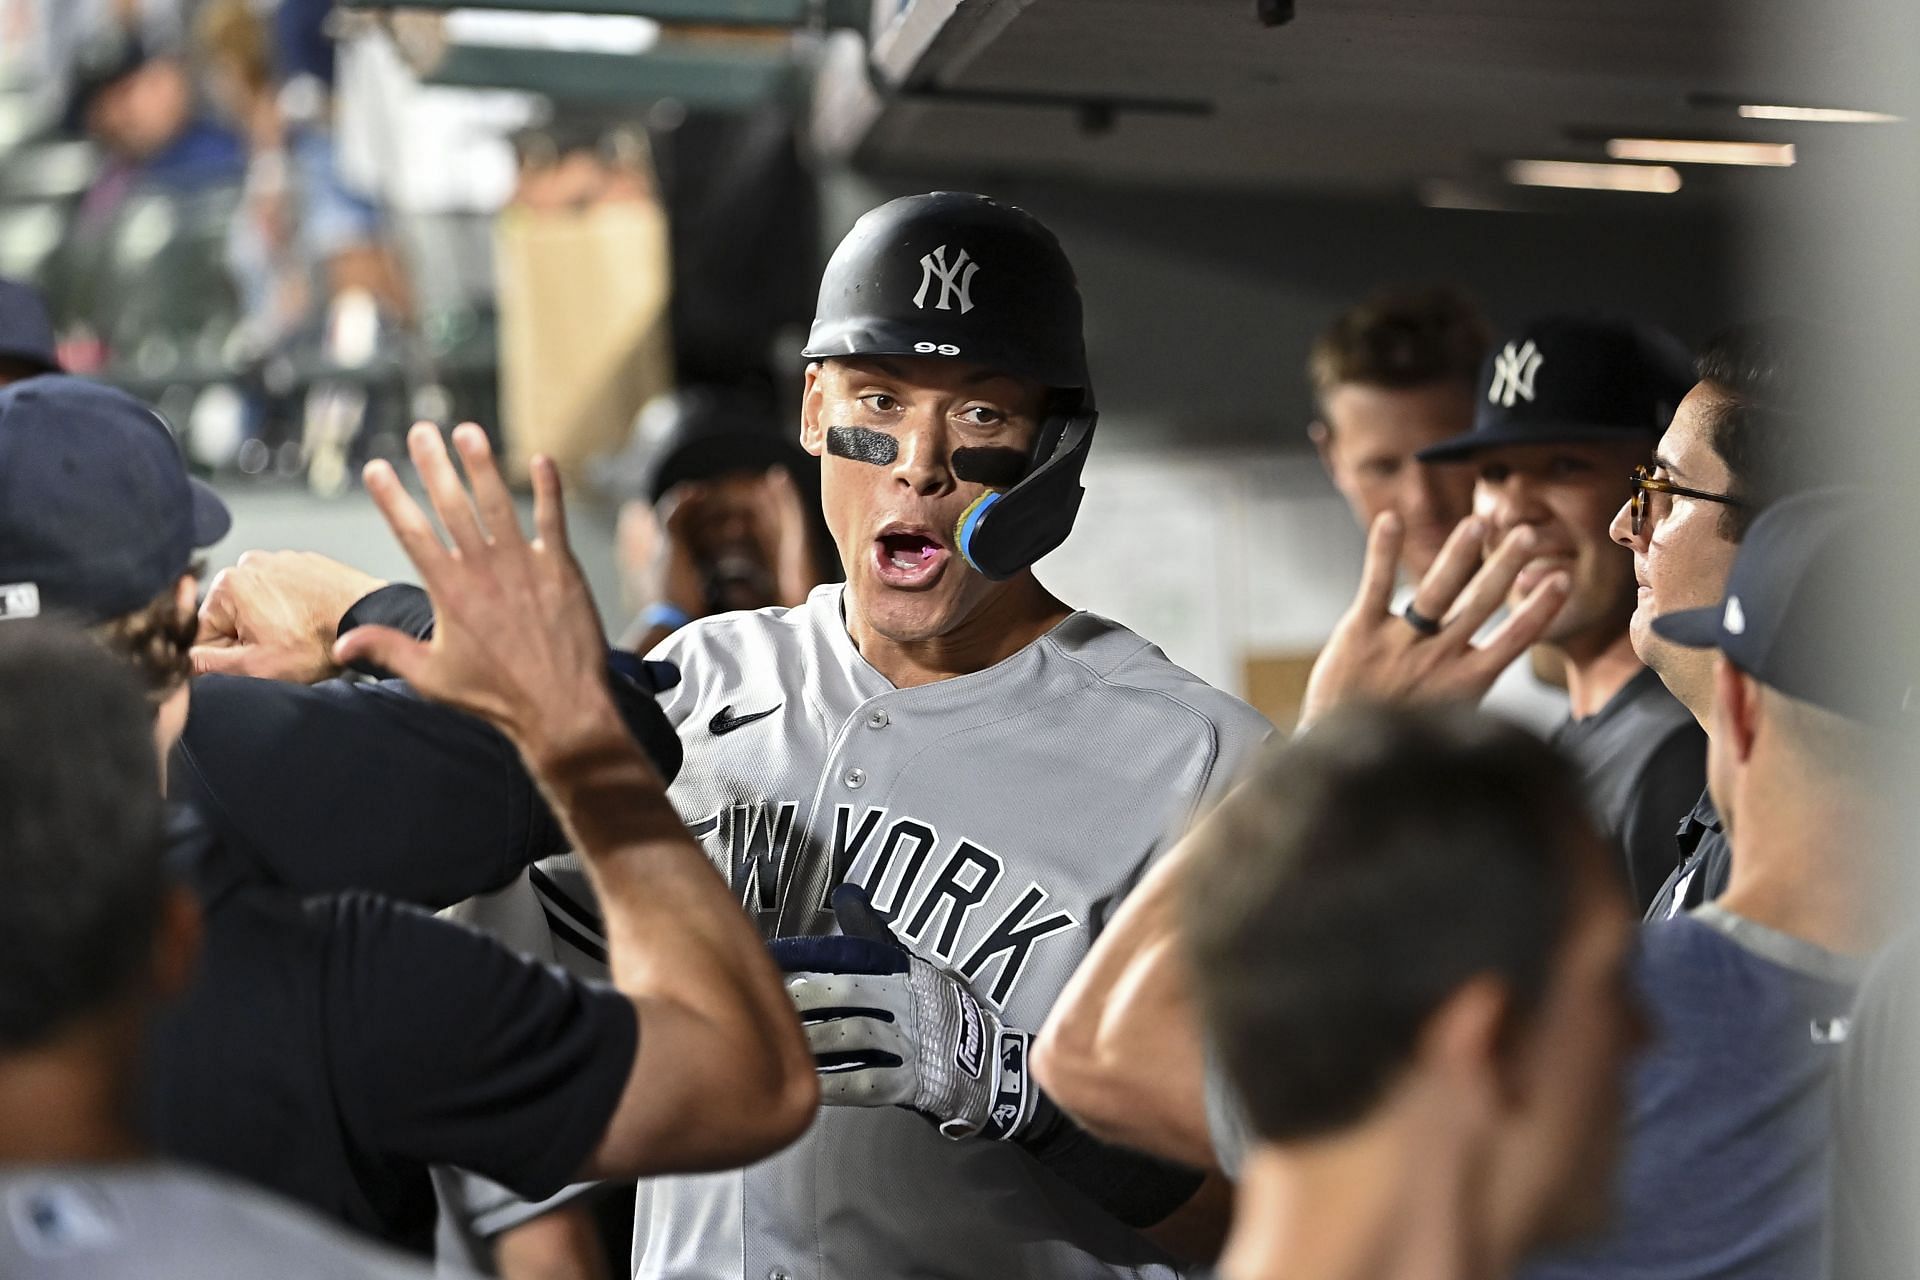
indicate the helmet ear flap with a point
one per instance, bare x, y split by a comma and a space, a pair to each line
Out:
1003, 533
1061, 407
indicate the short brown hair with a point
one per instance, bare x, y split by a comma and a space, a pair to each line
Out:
1759, 424
1357, 878
157, 638
1403, 338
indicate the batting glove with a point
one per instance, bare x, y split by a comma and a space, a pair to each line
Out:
890, 1029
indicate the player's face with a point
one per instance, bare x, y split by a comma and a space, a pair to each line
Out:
732, 530
1680, 556
893, 518
1555, 1175
1371, 437
1567, 494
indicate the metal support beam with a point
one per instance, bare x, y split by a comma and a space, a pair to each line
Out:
814, 14
698, 79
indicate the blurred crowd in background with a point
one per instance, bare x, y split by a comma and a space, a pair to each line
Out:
252, 214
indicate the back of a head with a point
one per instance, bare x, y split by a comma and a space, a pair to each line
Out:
1807, 617
99, 520
1404, 338
1356, 881
80, 831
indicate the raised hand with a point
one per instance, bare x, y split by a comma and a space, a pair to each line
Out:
274, 615
673, 574
796, 572
516, 638
1429, 652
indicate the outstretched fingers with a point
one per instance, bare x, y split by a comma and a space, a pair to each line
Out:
449, 497
1489, 588
409, 524
490, 493
1382, 565
1524, 625
1452, 570
549, 506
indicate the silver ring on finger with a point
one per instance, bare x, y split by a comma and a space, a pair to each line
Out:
1419, 621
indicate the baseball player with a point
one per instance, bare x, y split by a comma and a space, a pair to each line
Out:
1568, 406
981, 770
990, 769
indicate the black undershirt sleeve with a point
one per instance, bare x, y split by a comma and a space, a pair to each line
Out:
399, 605
350, 784
449, 1049
337, 785
1138, 1189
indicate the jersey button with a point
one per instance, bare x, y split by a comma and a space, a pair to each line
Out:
778, 1273
855, 779
879, 718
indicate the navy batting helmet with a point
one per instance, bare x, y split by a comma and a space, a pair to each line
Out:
958, 275
968, 278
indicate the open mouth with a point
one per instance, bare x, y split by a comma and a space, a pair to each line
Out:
905, 557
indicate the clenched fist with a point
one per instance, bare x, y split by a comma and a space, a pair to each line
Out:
274, 615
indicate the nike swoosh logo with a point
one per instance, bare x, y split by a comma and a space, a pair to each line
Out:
724, 721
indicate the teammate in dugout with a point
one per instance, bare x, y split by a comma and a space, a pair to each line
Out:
991, 769
1568, 406
333, 1045
971, 771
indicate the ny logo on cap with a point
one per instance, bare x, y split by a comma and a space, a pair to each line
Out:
1513, 373
956, 281
1734, 621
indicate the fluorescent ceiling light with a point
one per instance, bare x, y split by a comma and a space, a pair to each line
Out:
1776, 155
569, 32
1652, 178
1817, 115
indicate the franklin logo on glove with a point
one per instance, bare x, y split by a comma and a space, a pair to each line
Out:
972, 1035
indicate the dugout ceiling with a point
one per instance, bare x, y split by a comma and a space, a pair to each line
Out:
1360, 97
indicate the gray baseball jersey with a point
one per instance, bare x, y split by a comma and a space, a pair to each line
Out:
997, 819
168, 1222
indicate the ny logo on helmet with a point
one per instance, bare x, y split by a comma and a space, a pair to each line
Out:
956, 281
1514, 370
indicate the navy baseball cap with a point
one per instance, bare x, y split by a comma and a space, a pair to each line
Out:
26, 330
697, 433
1572, 379
1795, 617
97, 513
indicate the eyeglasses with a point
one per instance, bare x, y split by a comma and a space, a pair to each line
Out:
1646, 484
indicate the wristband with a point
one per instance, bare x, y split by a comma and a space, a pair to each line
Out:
662, 614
